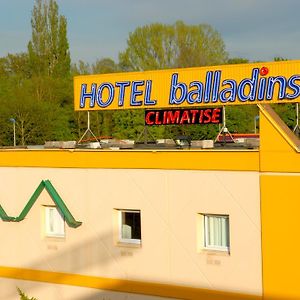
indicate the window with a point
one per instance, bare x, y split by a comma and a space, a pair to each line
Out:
54, 222
130, 226
216, 232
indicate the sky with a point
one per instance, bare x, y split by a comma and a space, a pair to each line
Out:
258, 30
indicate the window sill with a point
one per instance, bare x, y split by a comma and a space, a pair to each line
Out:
128, 244
55, 238
221, 252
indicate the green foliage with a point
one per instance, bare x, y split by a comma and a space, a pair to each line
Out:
129, 124
279, 58
23, 296
81, 68
237, 60
36, 87
240, 119
101, 66
49, 48
287, 112
104, 66
160, 46
102, 123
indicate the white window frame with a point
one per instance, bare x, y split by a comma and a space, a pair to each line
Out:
54, 222
121, 227
207, 244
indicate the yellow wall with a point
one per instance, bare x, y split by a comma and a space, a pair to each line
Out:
280, 236
278, 163
280, 207
231, 160
170, 262
279, 150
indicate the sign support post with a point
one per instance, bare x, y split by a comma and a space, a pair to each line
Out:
88, 130
224, 130
297, 128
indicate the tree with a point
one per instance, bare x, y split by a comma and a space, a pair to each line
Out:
160, 46
23, 296
104, 66
36, 87
81, 68
49, 48
280, 58
105, 119
36, 122
237, 60
18, 65
286, 111
101, 121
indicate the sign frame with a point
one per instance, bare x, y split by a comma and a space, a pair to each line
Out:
243, 84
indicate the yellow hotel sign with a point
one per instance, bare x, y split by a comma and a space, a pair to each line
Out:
273, 82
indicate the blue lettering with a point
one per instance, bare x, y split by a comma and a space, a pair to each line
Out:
195, 96
251, 84
175, 86
261, 88
294, 87
147, 99
111, 93
122, 86
271, 84
84, 94
135, 92
208, 84
228, 94
216, 86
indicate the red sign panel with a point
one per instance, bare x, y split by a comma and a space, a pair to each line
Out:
184, 116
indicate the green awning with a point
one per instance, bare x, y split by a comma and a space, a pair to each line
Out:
45, 184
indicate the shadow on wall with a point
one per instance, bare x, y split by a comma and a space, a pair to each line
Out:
198, 295
89, 254
94, 256
94, 253
76, 260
